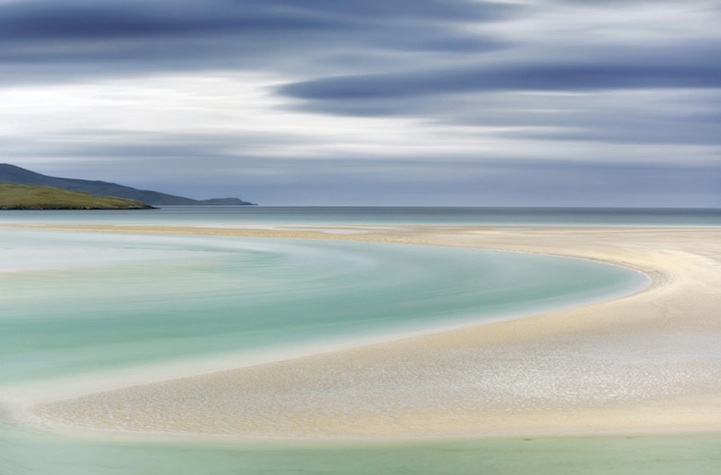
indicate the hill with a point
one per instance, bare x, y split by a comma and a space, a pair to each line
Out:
13, 196
14, 174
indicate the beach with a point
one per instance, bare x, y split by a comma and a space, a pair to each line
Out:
646, 363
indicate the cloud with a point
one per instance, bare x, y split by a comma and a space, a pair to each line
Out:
683, 116
491, 182
42, 20
691, 67
82, 38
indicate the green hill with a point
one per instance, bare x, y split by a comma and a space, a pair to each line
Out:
14, 174
13, 196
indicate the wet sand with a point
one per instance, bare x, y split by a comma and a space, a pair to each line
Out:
646, 363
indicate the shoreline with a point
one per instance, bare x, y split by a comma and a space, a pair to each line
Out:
683, 262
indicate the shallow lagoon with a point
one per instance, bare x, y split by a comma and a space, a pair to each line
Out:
83, 302
629, 455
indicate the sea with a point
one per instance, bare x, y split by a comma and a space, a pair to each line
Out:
110, 307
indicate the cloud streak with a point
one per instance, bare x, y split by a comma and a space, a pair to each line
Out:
186, 35
685, 68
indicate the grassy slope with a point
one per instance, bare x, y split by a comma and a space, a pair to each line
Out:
14, 196
14, 174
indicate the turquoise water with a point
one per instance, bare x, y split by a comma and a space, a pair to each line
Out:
83, 304
637, 455
77, 303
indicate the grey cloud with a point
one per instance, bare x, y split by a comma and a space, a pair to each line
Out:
661, 117
123, 145
626, 131
481, 182
112, 36
486, 94
674, 69
42, 20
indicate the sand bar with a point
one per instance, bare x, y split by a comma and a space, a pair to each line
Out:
650, 362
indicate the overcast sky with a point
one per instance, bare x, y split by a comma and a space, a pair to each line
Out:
372, 102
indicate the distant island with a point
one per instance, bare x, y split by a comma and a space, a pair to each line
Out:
20, 176
33, 197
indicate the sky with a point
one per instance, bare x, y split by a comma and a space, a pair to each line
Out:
374, 102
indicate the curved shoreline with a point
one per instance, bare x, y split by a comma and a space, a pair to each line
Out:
541, 364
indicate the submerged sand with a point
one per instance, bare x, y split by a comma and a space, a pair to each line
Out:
649, 362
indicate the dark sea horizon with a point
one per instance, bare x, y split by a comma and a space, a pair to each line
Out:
378, 215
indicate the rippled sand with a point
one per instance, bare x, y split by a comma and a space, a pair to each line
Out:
650, 362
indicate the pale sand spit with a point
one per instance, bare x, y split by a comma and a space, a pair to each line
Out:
650, 362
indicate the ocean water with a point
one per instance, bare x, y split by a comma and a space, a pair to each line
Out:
92, 306
279, 215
